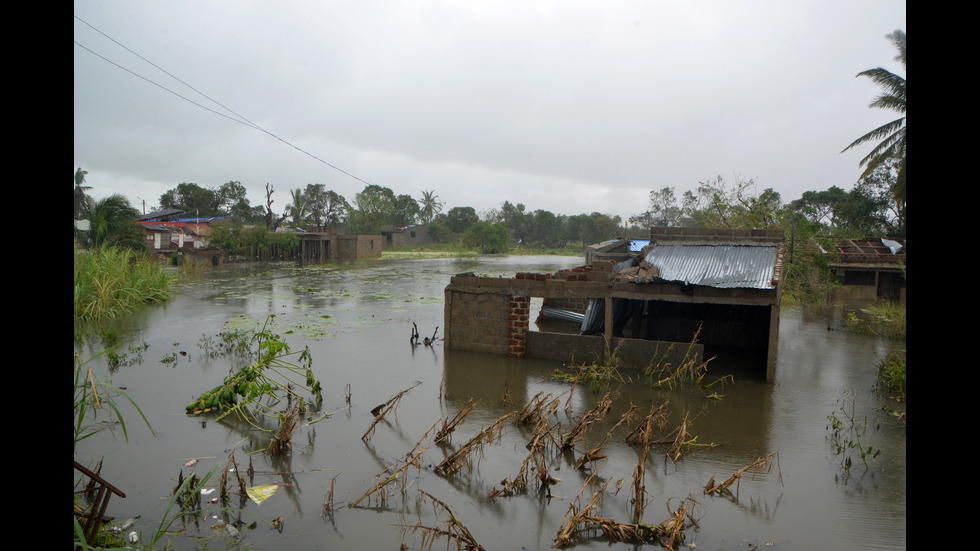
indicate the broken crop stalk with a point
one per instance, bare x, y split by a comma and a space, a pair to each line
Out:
455, 532
638, 490
760, 466
595, 453
449, 425
681, 442
534, 462
455, 460
328, 506
591, 416
389, 476
656, 418
670, 533
384, 409
575, 519
537, 410
288, 423
231, 467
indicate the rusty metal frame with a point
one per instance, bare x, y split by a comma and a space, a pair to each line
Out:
100, 504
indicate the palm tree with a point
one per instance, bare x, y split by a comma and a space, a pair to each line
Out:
299, 208
80, 191
113, 222
430, 205
892, 134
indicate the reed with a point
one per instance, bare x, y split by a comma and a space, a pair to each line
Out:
114, 281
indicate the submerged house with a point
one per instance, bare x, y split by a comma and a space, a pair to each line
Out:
870, 268
718, 288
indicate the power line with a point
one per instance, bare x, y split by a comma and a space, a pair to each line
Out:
240, 119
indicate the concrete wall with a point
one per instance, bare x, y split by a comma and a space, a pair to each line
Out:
635, 353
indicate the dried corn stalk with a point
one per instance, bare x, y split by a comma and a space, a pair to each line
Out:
760, 466
455, 460
450, 425
591, 416
455, 532
380, 411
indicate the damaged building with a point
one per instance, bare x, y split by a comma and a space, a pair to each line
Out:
718, 288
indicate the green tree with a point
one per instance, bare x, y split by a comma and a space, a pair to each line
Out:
405, 211
190, 198
325, 206
664, 210
890, 136
112, 222
374, 208
429, 205
488, 238
80, 189
228, 197
459, 219
515, 219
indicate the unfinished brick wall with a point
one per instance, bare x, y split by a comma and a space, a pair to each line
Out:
519, 310
479, 322
483, 315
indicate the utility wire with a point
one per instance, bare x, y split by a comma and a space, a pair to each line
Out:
240, 119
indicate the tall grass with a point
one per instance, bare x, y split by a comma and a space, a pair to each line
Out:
112, 281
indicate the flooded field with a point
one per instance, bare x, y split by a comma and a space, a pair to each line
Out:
357, 322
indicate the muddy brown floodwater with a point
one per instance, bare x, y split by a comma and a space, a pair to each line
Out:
357, 321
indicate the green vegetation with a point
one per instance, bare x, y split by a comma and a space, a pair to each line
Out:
488, 238
847, 430
112, 281
883, 319
595, 375
253, 391
891, 373
254, 242
96, 405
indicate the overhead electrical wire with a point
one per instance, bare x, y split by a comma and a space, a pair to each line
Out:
237, 117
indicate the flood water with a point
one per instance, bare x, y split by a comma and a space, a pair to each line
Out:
356, 322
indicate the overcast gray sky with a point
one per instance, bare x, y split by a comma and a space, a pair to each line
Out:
566, 106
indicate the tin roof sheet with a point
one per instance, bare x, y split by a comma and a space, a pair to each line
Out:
724, 266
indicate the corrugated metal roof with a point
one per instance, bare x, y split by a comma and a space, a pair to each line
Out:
724, 266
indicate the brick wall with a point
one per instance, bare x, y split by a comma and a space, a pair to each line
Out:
479, 322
